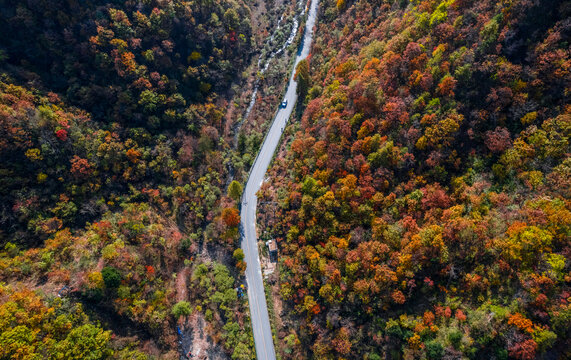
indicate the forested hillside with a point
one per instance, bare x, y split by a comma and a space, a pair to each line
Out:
424, 194
421, 199
116, 226
135, 62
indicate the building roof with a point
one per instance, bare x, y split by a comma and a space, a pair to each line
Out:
272, 245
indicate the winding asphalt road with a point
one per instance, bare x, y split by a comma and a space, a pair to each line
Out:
256, 296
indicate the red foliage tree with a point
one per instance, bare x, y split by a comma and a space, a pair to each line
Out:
523, 350
61, 134
498, 140
80, 168
231, 217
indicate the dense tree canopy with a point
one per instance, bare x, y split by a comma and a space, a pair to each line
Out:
32, 329
425, 198
138, 63
421, 203
112, 179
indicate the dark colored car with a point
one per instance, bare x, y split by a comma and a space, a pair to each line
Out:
283, 104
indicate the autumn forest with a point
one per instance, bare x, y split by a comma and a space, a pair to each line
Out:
420, 196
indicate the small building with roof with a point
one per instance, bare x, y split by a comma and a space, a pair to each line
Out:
273, 249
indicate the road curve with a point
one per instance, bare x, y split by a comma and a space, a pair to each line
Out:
256, 296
